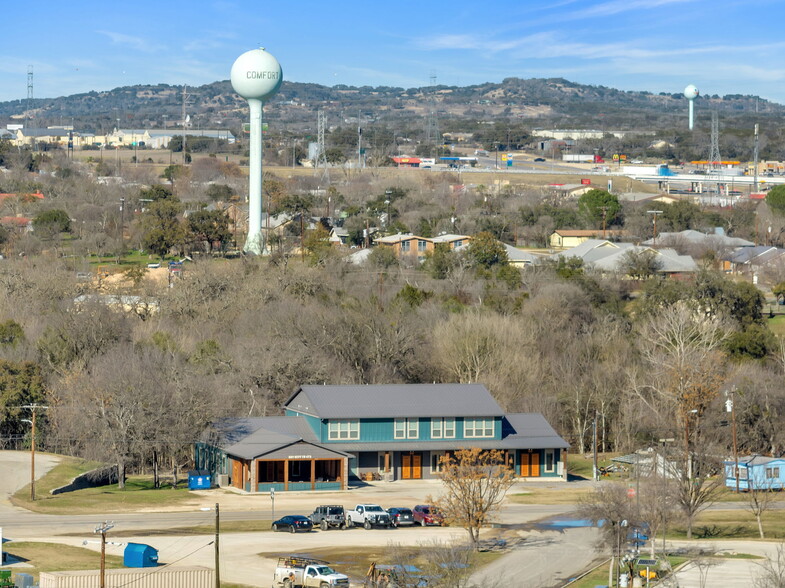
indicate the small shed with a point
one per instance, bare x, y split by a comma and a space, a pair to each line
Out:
139, 555
199, 480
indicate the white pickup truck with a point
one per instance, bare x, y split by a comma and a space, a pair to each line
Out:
296, 572
368, 515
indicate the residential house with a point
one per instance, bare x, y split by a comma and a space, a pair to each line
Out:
570, 191
756, 472
716, 240
613, 257
408, 246
751, 260
331, 435
519, 257
566, 238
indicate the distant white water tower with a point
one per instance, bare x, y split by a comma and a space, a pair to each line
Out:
691, 93
256, 76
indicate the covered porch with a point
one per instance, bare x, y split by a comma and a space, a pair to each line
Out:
300, 466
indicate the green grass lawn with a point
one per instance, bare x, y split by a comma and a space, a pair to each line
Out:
51, 557
777, 324
138, 493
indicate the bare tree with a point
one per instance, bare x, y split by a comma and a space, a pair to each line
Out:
760, 498
772, 570
476, 483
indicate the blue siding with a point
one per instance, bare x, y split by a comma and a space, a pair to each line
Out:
755, 475
383, 430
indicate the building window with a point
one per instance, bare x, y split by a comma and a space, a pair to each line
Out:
457, 243
550, 461
343, 429
478, 428
443, 428
772, 472
420, 245
407, 428
436, 461
406, 245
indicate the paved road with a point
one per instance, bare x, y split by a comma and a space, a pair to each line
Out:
15, 473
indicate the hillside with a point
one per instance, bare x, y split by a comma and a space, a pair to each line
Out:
541, 102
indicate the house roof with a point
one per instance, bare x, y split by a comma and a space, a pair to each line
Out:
249, 438
608, 256
394, 400
448, 238
515, 255
532, 431
697, 237
757, 460
585, 233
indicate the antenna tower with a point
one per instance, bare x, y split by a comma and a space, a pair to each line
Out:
321, 151
432, 123
29, 94
714, 156
186, 120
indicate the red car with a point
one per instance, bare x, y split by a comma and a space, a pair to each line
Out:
427, 515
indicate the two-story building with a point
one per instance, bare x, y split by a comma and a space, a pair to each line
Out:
331, 435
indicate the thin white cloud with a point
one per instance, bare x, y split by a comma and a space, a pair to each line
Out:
137, 43
619, 6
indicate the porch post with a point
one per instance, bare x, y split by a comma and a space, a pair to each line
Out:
386, 462
286, 474
254, 475
313, 474
344, 473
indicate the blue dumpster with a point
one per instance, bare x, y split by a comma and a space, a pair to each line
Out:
139, 555
199, 480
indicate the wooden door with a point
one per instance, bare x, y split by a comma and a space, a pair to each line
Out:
535, 463
417, 466
406, 467
525, 461
237, 474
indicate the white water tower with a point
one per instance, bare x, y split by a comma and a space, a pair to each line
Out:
256, 76
691, 93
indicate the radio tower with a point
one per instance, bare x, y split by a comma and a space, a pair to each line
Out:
714, 156
715, 162
321, 152
186, 121
432, 123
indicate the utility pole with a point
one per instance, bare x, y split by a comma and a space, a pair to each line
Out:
655, 213
217, 549
102, 529
755, 157
730, 406
33, 408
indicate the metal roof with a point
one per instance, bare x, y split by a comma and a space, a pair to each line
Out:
394, 400
253, 438
530, 430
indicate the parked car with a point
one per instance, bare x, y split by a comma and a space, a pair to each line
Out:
401, 516
329, 515
368, 515
539, 159
293, 523
426, 514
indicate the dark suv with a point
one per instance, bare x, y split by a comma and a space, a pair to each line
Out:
329, 515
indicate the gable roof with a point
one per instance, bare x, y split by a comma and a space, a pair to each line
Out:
394, 400
249, 438
532, 431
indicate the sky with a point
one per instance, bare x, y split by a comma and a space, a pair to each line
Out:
721, 46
